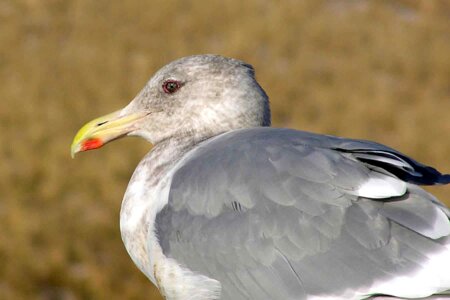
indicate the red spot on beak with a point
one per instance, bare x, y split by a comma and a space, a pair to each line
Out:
91, 144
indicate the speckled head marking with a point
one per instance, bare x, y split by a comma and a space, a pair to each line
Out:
197, 96
211, 94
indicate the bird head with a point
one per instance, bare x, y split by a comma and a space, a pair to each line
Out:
196, 97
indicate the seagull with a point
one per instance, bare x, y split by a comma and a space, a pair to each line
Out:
226, 207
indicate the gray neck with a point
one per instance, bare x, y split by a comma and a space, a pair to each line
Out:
165, 155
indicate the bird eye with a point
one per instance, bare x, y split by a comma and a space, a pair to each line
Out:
170, 86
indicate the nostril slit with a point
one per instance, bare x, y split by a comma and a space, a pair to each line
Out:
101, 123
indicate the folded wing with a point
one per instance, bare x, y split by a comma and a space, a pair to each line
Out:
277, 214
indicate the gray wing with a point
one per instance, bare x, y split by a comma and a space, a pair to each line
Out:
281, 214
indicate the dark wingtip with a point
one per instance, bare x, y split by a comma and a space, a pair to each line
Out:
444, 179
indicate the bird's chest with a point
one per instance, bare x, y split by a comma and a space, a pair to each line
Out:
137, 225
142, 200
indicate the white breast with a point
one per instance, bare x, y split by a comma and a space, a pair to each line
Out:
143, 199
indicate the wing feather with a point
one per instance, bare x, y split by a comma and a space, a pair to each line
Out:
314, 214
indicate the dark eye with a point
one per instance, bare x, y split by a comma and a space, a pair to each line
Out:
170, 86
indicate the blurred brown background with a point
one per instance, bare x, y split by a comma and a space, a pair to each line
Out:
363, 69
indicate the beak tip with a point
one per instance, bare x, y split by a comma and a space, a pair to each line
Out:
74, 149
100, 131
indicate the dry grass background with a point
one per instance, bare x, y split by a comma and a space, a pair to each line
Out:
364, 69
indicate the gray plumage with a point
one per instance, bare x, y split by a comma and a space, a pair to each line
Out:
224, 206
284, 223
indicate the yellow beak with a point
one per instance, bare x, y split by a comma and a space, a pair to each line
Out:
100, 131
